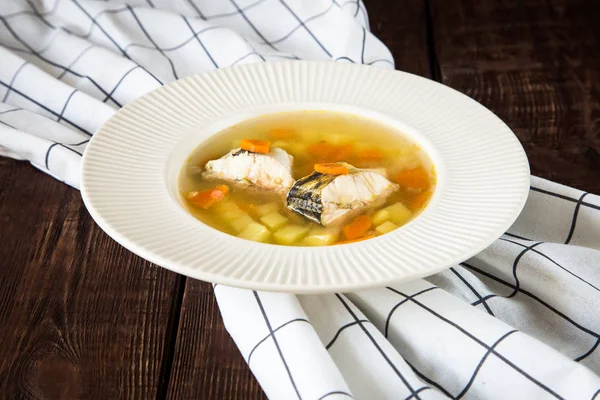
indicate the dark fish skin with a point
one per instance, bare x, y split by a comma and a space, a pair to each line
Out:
304, 197
240, 151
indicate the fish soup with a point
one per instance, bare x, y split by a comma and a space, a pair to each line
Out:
307, 178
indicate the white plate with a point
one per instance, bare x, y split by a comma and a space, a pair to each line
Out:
130, 169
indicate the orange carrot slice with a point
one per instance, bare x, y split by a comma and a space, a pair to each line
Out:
358, 227
419, 200
326, 152
248, 207
341, 153
332, 168
370, 155
416, 178
356, 240
282, 134
321, 150
208, 198
256, 146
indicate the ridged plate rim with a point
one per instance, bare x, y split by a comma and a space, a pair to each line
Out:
128, 189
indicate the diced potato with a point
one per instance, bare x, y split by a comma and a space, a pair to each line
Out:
321, 236
282, 144
232, 214
225, 206
399, 214
381, 216
338, 138
290, 234
274, 220
312, 135
295, 218
386, 227
403, 162
241, 222
256, 232
265, 209
295, 149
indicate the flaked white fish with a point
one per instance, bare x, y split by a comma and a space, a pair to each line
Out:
271, 171
333, 199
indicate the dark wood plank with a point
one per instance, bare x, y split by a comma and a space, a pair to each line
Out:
402, 27
206, 363
80, 316
536, 64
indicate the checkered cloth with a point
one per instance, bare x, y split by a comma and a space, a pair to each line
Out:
518, 321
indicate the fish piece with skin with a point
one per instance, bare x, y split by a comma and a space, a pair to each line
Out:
272, 171
333, 199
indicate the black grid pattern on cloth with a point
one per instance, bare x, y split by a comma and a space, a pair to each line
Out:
538, 252
472, 289
378, 347
281, 351
337, 392
533, 297
272, 336
516, 289
240, 11
389, 316
95, 23
490, 349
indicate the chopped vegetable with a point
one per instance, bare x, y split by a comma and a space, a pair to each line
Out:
341, 153
282, 134
399, 214
332, 168
370, 155
256, 146
240, 223
356, 240
274, 220
232, 214
386, 227
295, 218
290, 234
419, 201
282, 145
358, 227
310, 178
248, 207
326, 152
208, 198
416, 178
321, 236
321, 150
265, 209
338, 138
255, 232
381, 216
225, 206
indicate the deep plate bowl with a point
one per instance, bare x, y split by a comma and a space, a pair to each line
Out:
131, 167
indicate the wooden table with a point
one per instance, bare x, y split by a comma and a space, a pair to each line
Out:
81, 317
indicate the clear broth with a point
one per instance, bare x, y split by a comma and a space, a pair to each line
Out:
398, 154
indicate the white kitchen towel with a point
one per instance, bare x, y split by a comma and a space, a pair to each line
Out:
518, 321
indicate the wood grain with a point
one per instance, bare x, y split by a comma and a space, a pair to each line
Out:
536, 64
402, 27
207, 364
80, 316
